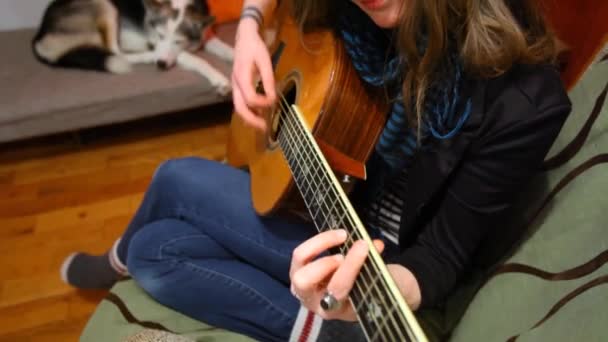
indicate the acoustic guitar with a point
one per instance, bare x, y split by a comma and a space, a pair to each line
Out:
321, 132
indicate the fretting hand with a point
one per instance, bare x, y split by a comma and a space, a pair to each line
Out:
312, 278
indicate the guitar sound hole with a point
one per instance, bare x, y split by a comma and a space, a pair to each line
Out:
280, 112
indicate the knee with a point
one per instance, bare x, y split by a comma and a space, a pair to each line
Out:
184, 174
145, 261
172, 173
143, 249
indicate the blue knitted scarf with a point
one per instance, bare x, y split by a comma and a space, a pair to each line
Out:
373, 55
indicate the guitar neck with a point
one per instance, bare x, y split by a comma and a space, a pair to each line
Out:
382, 311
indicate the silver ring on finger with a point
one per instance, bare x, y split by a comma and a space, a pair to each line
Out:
329, 302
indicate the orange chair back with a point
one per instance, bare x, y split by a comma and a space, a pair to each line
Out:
583, 26
225, 10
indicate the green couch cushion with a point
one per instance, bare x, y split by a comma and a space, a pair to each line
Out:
128, 310
554, 287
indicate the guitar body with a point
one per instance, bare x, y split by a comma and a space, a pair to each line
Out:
313, 71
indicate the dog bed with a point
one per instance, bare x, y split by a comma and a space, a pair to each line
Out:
37, 100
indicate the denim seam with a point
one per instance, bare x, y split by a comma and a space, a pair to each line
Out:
199, 269
288, 258
162, 246
181, 209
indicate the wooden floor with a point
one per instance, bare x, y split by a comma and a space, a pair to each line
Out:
77, 192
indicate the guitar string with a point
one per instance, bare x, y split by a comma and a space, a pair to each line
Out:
382, 297
381, 322
289, 123
327, 179
330, 209
379, 329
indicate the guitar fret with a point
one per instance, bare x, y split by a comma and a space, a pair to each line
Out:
398, 322
319, 215
310, 196
365, 294
387, 326
383, 319
374, 308
321, 201
288, 147
368, 320
382, 312
300, 174
324, 207
329, 220
295, 165
365, 324
307, 190
370, 325
314, 188
319, 198
337, 220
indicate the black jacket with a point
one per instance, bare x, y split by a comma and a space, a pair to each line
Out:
461, 189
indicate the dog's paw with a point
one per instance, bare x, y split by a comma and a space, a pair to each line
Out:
221, 84
223, 87
228, 57
118, 65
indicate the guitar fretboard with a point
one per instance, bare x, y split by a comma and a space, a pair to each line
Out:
374, 295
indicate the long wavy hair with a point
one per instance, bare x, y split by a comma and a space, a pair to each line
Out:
490, 36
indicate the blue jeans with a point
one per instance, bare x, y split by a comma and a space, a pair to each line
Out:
196, 245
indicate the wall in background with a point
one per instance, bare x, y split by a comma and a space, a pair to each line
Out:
16, 14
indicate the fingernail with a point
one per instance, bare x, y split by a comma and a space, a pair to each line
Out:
342, 234
339, 257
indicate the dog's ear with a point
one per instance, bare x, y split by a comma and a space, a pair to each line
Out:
199, 7
160, 7
208, 20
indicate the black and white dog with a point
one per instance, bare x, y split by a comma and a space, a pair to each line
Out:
111, 35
